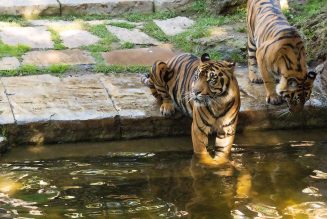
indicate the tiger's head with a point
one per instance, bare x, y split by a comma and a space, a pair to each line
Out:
211, 80
296, 91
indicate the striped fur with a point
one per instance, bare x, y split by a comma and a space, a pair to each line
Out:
276, 50
205, 90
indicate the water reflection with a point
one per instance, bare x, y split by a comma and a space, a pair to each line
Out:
275, 182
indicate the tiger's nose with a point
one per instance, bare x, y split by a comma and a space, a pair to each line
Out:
197, 92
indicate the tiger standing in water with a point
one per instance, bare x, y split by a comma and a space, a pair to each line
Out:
205, 90
276, 50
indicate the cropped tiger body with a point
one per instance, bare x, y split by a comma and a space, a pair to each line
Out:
276, 50
205, 90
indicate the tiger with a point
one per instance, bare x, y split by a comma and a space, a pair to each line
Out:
205, 90
276, 50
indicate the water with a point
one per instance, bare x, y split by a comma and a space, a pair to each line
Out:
280, 175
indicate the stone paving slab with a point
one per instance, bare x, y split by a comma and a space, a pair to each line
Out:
174, 26
137, 106
133, 36
132, 56
50, 57
6, 115
34, 37
112, 7
30, 7
78, 38
41, 98
9, 63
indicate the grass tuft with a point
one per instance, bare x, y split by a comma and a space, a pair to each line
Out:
153, 30
127, 45
107, 38
123, 25
8, 50
58, 44
138, 17
103, 68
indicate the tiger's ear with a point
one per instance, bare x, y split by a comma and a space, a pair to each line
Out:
205, 57
231, 64
312, 75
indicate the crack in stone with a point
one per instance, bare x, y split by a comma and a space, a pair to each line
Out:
115, 107
60, 7
10, 105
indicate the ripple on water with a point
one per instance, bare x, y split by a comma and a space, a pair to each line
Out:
264, 211
308, 209
319, 174
313, 191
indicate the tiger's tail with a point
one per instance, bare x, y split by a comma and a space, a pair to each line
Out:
148, 82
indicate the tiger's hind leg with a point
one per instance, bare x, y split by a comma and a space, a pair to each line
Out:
254, 75
158, 83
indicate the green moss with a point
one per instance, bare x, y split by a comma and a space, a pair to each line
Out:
17, 51
107, 38
153, 30
103, 68
123, 25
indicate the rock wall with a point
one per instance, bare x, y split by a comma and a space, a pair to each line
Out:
224, 6
321, 81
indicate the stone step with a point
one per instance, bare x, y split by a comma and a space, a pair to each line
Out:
95, 107
83, 7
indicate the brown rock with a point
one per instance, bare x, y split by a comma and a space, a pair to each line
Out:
50, 57
142, 56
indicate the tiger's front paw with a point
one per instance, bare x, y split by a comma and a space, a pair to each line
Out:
167, 109
274, 99
255, 78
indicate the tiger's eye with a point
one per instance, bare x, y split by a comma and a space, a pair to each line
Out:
292, 82
220, 74
212, 74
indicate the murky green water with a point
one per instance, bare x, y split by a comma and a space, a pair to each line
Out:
281, 175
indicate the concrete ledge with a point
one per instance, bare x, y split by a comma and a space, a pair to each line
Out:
97, 107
